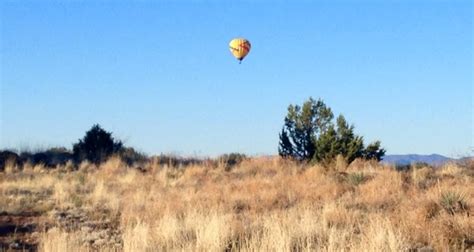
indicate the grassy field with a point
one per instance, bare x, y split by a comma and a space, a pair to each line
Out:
262, 204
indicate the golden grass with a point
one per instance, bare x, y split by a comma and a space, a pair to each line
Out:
259, 205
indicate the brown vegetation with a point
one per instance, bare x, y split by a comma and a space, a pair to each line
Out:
261, 204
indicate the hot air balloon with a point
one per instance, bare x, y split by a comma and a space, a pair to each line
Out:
239, 47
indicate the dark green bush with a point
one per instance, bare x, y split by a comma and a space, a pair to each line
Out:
96, 146
130, 156
49, 158
9, 157
231, 159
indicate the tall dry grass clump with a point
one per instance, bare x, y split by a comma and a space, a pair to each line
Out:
261, 204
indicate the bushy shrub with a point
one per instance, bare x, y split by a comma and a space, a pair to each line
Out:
9, 158
130, 156
453, 202
231, 159
174, 160
96, 146
48, 158
356, 178
412, 166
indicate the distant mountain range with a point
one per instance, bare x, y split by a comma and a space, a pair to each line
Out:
433, 159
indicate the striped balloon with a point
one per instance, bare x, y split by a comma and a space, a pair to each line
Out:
239, 47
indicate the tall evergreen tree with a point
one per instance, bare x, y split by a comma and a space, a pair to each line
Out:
303, 126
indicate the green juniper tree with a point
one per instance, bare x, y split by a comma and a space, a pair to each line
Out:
96, 146
351, 146
310, 134
374, 151
285, 149
303, 125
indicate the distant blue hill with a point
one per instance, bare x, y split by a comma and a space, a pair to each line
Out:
433, 159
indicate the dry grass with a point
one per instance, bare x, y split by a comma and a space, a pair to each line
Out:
259, 205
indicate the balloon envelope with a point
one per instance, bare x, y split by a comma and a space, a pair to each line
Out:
239, 47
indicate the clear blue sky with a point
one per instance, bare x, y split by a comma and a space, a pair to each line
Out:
159, 74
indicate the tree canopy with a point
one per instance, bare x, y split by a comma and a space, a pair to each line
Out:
96, 146
310, 134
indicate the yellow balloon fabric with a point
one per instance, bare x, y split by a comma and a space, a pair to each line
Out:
239, 47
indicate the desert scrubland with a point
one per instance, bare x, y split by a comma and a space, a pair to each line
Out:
260, 204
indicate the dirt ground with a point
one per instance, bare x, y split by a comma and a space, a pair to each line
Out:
20, 231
